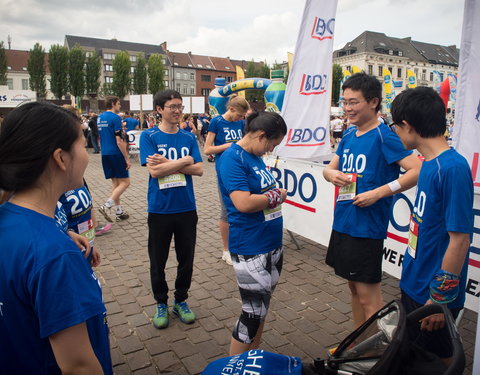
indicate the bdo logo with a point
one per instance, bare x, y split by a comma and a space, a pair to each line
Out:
323, 29
314, 84
306, 137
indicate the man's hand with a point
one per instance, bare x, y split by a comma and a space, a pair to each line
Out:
127, 162
366, 199
338, 178
188, 160
82, 243
432, 322
156, 159
284, 194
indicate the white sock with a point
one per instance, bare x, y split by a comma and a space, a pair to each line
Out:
109, 203
118, 209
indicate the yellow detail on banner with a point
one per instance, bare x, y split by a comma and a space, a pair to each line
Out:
356, 69
346, 74
240, 75
411, 79
290, 61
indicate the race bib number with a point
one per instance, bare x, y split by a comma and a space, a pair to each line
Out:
348, 192
272, 213
413, 238
172, 181
87, 230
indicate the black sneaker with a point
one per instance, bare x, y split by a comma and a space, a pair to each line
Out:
122, 216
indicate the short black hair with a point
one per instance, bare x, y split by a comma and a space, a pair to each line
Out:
271, 123
369, 86
28, 137
423, 109
110, 101
164, 96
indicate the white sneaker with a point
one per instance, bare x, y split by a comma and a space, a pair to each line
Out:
227, 258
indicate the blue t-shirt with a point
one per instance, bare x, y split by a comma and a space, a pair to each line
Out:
225, 132
45, 287
61, 219
108, 124
131, 123
372, 156
255, 362
170, 194
249, 233
443, 203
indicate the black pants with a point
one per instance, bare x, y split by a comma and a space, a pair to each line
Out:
161, 227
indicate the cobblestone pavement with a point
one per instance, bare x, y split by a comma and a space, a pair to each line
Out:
310, 310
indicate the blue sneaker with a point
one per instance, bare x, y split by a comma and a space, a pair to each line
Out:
183, 311
160, 319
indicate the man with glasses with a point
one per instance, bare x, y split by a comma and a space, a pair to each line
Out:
366, 169
115, 159
436, 261
172, 157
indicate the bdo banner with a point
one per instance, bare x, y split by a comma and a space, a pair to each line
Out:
306, 108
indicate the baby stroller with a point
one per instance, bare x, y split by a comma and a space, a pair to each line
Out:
382, 346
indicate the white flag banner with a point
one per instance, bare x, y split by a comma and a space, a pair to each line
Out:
466, 132
306, 108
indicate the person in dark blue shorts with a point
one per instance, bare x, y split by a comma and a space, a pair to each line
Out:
441, 226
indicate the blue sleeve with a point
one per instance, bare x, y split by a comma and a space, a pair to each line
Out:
195, 152
117, 124
457, 198
213, 127
392, 147
147, 147
233, 172
65, 293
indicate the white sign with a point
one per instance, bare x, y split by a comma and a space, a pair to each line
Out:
146, 104
308, 211
306, 108
134, 141
13, 98
194, 104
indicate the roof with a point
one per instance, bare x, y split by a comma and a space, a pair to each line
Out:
18, 60
223, 63
100, 44
202, 62
180, 59
371, 41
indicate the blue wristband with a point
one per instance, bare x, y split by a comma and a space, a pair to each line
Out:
444, 287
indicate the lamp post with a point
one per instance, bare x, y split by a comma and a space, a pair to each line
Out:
173, 71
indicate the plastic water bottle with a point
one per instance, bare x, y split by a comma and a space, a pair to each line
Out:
275, 93
217, 103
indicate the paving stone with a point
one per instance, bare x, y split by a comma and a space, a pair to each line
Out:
130, 344
194, 364
138, 360
156, 346
167, 362
183, 348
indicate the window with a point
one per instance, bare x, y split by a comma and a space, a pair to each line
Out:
132, 69
88, 54
380, 70
441, 77
185, 89
227, 67
10, 83
400, 53
178, 87
178, 75
165, 83
199, 66
229, 79
370, 70
192, 76
399, 73
349, 68
192, 90
424, 74
185, 76
133, 58
108, 79
205, 92
164, 61
165, 73
190, 65
208, 66
9, 67
25, 84
108, 68
108, 56
390, 69
205, 78
390, 52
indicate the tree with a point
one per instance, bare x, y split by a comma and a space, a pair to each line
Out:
121, 74
3, 65
155, 73
140, 76
337, 76
92, 74
263, 71
76, 73
36, 70
58, 64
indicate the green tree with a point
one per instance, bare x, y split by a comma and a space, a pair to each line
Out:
36, 70
121, 74
58, 64
262, 71
3, 65
337, 76
106, 90
155, 73
92, 74
76, 72
140, 76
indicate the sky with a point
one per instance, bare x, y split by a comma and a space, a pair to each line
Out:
263, 30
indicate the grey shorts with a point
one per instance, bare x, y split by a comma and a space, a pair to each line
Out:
223, 209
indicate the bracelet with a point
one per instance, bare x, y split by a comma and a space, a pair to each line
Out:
394, 186
444, 287
274, 197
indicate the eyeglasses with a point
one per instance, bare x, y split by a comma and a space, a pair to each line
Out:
351, 103
172, 107
393, 126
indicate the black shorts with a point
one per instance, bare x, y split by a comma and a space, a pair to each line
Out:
437, 342
355, 258
337, 135
114, 166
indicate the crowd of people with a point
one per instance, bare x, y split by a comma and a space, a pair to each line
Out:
52, 318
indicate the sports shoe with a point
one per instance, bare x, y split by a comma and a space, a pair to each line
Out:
227, 258
105, 211
122, 216
160, 319
183, 311
103, 229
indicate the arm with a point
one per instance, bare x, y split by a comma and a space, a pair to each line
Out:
333, 175
411, 164
81, 242
73, 351
246, 202
159, 166
210, 149
123, 147
194, 169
